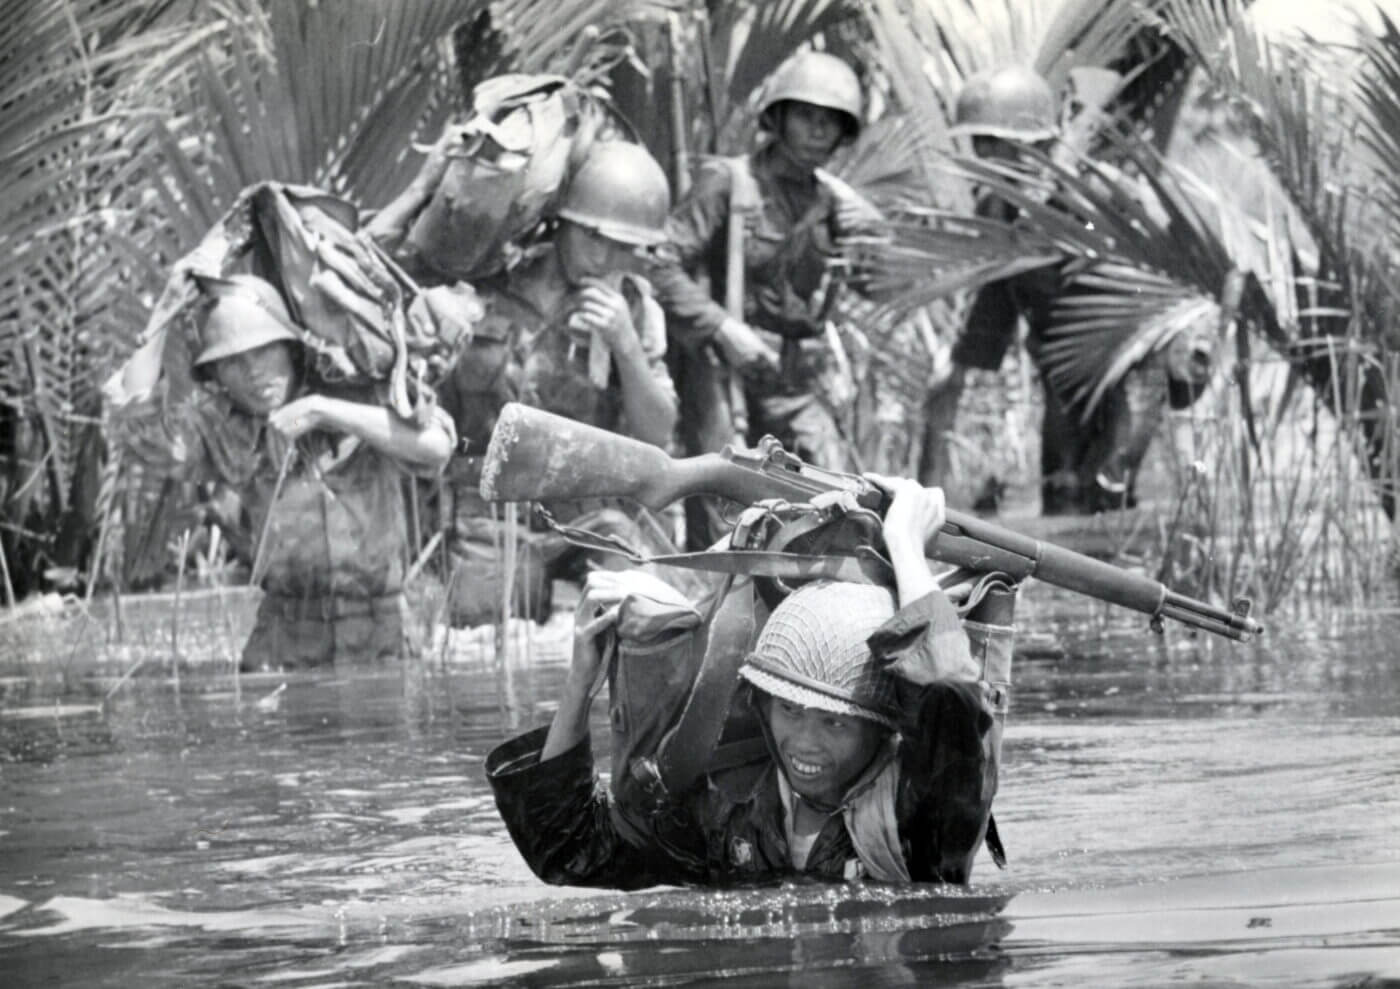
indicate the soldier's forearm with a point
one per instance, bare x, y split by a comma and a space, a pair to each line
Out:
570, 724
693, 317
427, 445
649, 407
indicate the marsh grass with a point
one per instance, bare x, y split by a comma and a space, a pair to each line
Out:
1270, 499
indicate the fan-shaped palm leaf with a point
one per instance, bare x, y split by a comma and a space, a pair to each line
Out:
1378, 91
1138, 262
63, 81
1304, 125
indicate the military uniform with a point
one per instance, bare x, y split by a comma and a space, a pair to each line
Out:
788, 244
1085, 465
920, 811
336, 545
521, 354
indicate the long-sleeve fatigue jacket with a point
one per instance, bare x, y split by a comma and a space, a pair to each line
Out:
787, 244
337, 528
729, 830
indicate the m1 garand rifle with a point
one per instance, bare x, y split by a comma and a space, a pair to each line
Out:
537, 456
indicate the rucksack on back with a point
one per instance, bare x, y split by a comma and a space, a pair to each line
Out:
677, 713
509, 163
365, 321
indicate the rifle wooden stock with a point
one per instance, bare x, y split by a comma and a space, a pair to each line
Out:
535, 455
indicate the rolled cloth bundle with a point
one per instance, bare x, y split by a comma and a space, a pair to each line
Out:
362, 318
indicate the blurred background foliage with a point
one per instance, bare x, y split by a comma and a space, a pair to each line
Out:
129, 128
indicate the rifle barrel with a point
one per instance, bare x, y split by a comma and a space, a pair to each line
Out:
970, 541
537, 455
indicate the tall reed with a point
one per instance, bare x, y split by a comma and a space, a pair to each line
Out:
1271, 498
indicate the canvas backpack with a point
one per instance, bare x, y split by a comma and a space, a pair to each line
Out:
508, 164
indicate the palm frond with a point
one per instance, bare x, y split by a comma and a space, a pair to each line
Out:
1138, 262
1089, 33
927, 254
886, 162
1112, 318
1378, 94
750, 40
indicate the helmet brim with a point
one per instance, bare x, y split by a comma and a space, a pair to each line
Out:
1023, 135
236, 325
623, 233
789, 690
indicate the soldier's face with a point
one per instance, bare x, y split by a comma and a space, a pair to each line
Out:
995, 148
810, 132
1001, 149
258, 380
821, 753
585, 253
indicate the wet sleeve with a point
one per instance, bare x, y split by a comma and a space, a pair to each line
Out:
439, 418
990, 327
925, 642
949, 762
949, 738
558, 814
693, 231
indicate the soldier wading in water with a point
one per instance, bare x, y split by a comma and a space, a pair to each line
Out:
882, 743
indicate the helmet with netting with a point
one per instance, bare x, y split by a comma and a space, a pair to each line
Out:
1013, 102
820, 79
813, 650
245, 312
621, 192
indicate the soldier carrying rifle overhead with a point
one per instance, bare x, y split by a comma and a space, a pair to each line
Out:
763, 229
881, 740
828, 712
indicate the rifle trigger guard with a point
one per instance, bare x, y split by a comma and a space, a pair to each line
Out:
757, 523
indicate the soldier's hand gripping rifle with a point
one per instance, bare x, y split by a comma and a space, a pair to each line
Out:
535, 455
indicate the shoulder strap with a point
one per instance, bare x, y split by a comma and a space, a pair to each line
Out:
743, 197
743, 185
684, 753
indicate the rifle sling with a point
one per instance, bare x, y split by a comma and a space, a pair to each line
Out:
865, 568
685, 752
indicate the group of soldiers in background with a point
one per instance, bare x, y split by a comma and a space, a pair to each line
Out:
703, 322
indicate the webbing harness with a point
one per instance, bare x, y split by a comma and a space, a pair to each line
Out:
691, 748
772, 525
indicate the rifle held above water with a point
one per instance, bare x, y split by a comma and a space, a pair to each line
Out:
537, 456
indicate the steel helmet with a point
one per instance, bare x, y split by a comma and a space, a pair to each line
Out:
621, 192
247, 312
819, 79
1012, 102
813, 650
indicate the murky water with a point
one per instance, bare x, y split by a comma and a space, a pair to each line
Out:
1175, 810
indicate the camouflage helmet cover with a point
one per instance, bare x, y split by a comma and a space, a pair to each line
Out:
813, 650
620, 191
820, 79
246, 312
1013, 102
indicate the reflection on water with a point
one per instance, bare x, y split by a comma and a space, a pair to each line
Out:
1175, 809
